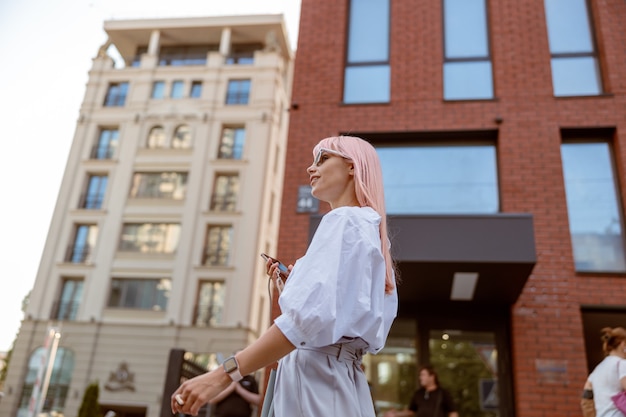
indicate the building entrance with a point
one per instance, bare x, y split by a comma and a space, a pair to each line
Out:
470, 353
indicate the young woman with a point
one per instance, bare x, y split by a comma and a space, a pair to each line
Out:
609, 376
338, 303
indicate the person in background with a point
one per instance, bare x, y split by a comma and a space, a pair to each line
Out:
237, 399
428, 401
609, 376
338, 303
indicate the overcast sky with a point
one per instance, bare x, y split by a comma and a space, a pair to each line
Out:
46, 48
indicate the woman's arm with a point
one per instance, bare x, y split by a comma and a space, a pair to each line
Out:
249, 396
196, 392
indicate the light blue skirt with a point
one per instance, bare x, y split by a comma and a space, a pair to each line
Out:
327, 381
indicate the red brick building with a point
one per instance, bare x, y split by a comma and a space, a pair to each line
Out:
501, 125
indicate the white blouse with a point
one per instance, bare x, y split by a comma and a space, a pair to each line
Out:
337, 289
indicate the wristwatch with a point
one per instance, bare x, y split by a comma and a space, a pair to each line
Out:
231, 367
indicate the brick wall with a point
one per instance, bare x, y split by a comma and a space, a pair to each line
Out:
546, 320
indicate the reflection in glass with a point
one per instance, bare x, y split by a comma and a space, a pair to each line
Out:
210, 303
150, 237
367, 84
466, 28
238, 92
575, 67
178, 89
96, 188
225, 192
217, 245
369, 31
143, 294
231, 144
84, 242
67, 306
467, 80
107, 143
168, 185
440, 179
60, 380
367, 72
595, 217
158, 89
156, 138
196, 89
467, 71
569, 30
466, 363
182, 137
576, 76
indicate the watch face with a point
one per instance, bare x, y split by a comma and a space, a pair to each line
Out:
230, 365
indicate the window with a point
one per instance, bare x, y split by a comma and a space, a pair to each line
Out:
156, 138
166, 185
196, 89
467, 65
60, 381
178, 89
158, 89
367, 76
182, 137
217, 245
225, 192
185, 55
116, 95
231, 144
440, 179
150, 237
243, 54
96, 187
595, 215
67, 306
238, 92
210, 303
141, 294
107, 143
84, 241
575, 69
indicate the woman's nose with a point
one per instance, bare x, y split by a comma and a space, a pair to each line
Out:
311, 168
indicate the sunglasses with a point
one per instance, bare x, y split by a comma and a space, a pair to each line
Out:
322, 151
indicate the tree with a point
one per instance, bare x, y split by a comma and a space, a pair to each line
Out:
90, 407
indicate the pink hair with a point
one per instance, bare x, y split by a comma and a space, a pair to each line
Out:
368, 184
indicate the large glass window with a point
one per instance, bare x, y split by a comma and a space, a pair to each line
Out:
238, 92
107, 143
575, 68
84, 241
595, 215
142, 294
367, 74
150, 237
167, 185
467, 64
440, 179
60, 380
66, 307
96, 187
231, 143
225, 192
210, 303
116, 95
217, 245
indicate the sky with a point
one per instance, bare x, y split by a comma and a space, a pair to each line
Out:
46, 51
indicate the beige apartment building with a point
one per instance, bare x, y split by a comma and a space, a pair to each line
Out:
171, 191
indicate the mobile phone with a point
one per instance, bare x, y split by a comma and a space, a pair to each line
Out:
282, 268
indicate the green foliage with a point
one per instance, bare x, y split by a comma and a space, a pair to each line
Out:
5, 369
90, 407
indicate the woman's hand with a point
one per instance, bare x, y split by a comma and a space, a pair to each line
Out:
271, 266
197, 391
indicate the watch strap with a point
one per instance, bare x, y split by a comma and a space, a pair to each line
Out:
231, 367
